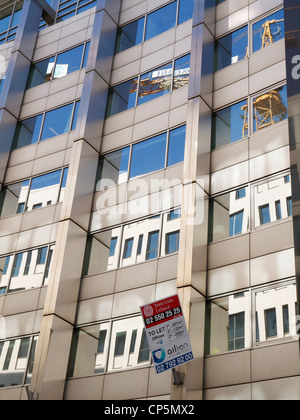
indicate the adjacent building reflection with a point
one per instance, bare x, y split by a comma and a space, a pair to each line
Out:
234, 323
248, 207
109, 346
16, 361
25, 270
133, 243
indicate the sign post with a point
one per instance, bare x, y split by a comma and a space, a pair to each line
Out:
167, 334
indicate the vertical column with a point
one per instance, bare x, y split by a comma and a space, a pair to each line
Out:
194, 222
17, 73
292, 41
54, 343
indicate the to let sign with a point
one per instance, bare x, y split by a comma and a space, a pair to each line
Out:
167, 333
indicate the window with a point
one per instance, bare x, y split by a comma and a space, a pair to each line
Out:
140, 245
16, 363
144, 157
172, 242
236, 223
268, 30
241, 193
45, 126
289, 206
58, 66
286, 319
271, 323
25, 270
236, 331
155, 22
112, 248
278, 210
22, 197
148, 86
230, 125
231, 48
270, 108
264, 214
152, 246
128, 248
174, 214
9, 20
108, 347
69, 8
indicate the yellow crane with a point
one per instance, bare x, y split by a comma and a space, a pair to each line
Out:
267, 37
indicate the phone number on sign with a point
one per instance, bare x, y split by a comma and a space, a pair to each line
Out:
164, 315
174, 362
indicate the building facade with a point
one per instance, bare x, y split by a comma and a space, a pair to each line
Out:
148, 147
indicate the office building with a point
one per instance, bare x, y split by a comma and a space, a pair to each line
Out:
148, 148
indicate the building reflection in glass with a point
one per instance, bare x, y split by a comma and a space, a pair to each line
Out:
231, 214
133, 243
109, 346
25, 270
230, 325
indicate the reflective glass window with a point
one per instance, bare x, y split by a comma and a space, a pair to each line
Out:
231, 48
182, 72
230, 125
86, 54
228, 323
15, 369
152, 246
122, 97
40, 72
128, 248
176, 145
148, 156
161, 20
185, 11
113, 168
289, 206
172, 242
155, 83
68, 62
57, 122
228, 216
268, 30
28, 131
130, 35
270, 108
9, 20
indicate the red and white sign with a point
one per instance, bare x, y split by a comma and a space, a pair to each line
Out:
167, 333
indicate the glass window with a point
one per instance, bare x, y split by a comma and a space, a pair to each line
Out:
68, 62
40, 72
271, 323
113, 168
11, 196
268, 30
161, 20
86, 54
185, 10
152, 246
16, 361
289, 206
176, 145
57, 122
122, 97
172, 242
17, 264
130, 35
28, 131
128, 248
112, 248
286, 319
182, 72
231, 48
270, 108
228, 216
148, 156
155, 83
228, 325
230, 125
9, 20
278, 210
264, 214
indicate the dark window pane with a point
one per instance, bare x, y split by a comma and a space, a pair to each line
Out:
231, 48
172, 242
122, 97
128, 248
40, 72
148, 156
86, 54
236, 223
28, 132
230, 125
264, 214
176, 145
185, 10
68, 62
155, 83
113, 168
112, 248
5, 18
75, 116
152, 246
120, 343
130, 35
161, 20
271, 323
57, 122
